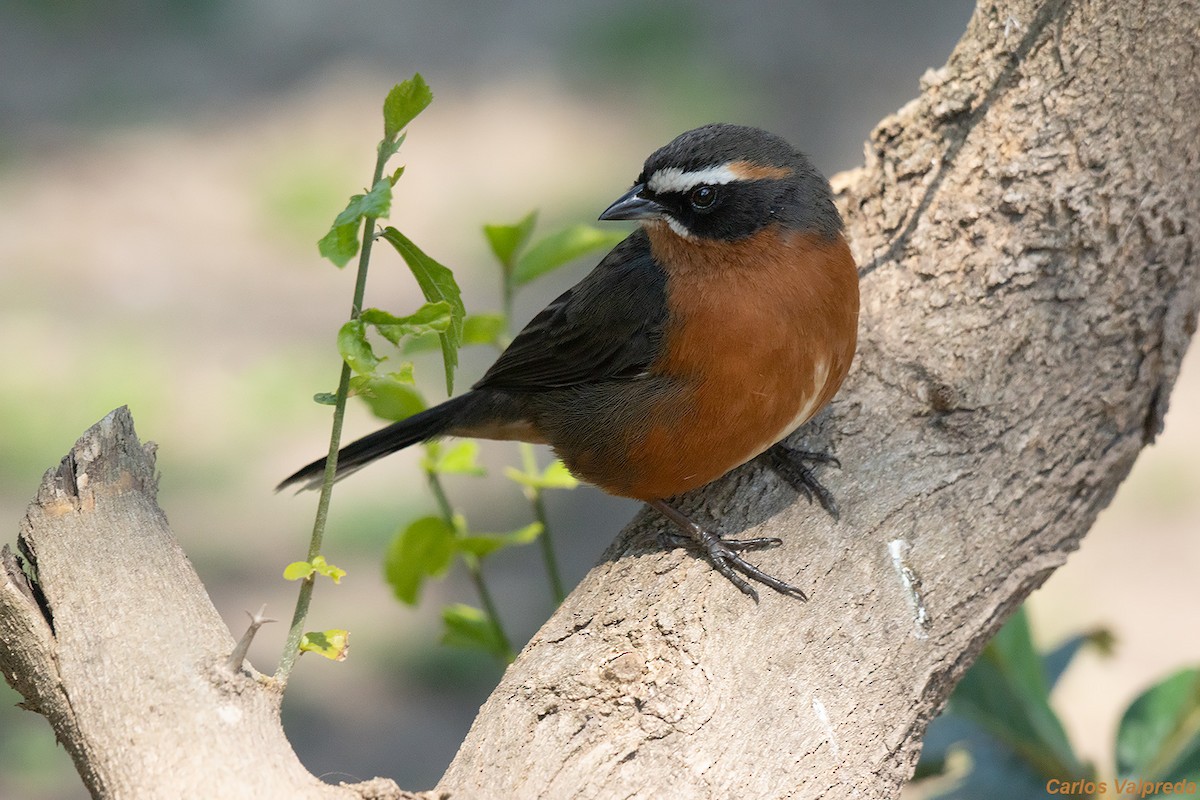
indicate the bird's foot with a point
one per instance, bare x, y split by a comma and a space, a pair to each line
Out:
795, 467
723, 554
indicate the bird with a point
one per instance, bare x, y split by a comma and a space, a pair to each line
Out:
726, 320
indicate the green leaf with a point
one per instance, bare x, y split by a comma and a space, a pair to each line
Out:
507, 241
429, 318
297, 571
561, 248
395, 176
1057, 660
355, 349
341, 243
404, 102
1159, 735
477, 329
555, 476
389, 395
484, 544
460, 459
467, 626
1006, 693
333, 644
437, 284
425, 549
483, 329
973, 764
323, 567
375, 203
421, 344
325, 398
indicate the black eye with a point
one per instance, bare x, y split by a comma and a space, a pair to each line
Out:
702, 197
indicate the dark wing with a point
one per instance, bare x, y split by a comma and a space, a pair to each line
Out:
609, 325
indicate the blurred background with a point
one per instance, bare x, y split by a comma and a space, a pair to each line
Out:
165, 171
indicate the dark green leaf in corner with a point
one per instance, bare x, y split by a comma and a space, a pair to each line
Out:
1159, 735
561, 248
404, 102
1006, 693
437, 284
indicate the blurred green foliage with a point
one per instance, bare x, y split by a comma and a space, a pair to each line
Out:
1000, 738
429, 546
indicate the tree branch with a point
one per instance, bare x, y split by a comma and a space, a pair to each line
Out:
1027, 229
126, 655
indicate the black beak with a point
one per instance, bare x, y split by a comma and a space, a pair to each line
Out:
631, 206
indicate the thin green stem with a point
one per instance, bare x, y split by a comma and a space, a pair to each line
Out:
489, 606
507, 290
548, 555
473, 567
545, 541
291, 648
439, 494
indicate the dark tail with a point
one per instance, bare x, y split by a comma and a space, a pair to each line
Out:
429, 424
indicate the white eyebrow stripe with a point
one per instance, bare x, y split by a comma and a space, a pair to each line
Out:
673, 179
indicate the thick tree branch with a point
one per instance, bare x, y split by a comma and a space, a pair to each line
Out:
125, 654
1027, 229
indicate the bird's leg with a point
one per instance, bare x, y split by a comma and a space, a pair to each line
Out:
794, 466
723, 553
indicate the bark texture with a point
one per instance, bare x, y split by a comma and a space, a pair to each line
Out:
1027, 232
116, 642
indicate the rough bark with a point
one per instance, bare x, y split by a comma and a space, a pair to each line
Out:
116, 642
1027, 229
1027, 232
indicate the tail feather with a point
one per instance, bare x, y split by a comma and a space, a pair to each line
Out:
428, 424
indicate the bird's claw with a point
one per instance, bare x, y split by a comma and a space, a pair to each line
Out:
793, 466
724, 556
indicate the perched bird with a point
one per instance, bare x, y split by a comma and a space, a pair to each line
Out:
727, 320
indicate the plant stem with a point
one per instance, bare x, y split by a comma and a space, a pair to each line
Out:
489, 607
291, 648
473, 568
507, 290
548, 555
545, 541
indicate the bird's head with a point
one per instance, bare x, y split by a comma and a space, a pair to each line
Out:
726, 182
